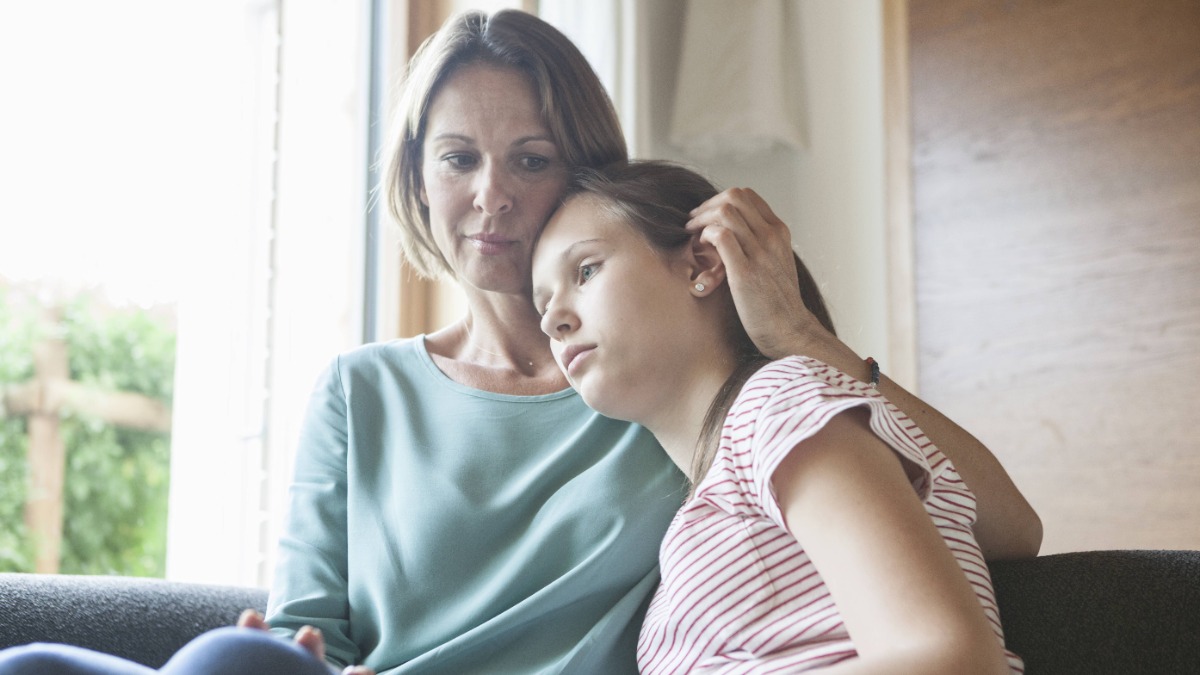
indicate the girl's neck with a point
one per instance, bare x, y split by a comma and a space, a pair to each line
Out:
677, 425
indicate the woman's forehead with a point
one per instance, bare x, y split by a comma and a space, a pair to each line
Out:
488, 90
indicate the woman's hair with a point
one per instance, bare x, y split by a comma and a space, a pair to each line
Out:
656, 198
575, 108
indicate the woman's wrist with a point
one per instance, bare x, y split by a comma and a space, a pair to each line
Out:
824, 346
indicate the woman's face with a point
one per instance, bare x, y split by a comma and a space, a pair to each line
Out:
491, 175
619, 314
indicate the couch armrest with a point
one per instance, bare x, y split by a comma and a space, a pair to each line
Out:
1102, 611
144, 620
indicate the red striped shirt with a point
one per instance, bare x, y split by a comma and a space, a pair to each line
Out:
738, 593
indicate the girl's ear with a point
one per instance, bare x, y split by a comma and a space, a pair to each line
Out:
706, 269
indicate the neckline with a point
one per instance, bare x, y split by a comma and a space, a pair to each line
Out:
424, 357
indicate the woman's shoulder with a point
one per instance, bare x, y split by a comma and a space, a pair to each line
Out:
374, 353
370, 361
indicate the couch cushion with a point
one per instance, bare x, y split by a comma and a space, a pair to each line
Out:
144, 620
1127, 612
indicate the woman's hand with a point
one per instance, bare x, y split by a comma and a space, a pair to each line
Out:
308, 637
756, 247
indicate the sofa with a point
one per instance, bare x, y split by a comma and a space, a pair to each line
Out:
1095, 612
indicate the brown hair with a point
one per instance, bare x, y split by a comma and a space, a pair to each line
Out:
656, 198
575, 108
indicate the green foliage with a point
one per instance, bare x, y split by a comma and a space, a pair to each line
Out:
116, 479
16, 365
126, 351
116, 500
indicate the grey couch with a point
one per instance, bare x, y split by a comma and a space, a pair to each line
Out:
1120, 612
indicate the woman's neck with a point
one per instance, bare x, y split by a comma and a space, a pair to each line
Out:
503, 330
498, 346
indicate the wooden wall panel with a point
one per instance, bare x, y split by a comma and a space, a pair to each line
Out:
1056, 173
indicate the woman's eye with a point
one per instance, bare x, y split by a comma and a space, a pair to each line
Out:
534, 163
459, 161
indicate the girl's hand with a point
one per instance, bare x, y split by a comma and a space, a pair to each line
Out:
756, 247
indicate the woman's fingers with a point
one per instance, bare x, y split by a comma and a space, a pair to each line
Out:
250, 618
747, 216
358, 670
310, 638
756, 248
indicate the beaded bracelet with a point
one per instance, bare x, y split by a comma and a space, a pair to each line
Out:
874, 381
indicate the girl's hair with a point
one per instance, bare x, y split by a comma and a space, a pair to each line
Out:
575, 108
655, 198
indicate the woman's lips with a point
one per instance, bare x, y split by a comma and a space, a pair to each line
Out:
491, 244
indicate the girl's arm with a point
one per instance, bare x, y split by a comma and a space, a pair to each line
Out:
906, 602
755, 246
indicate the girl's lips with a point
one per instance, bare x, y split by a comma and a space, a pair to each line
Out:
574, 356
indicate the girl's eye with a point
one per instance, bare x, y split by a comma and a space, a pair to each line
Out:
587, 271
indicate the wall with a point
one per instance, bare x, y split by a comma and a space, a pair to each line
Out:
831, 193
1057, 201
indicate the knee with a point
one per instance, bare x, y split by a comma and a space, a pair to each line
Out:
240, 650
36, 658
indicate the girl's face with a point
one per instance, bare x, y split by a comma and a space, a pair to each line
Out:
491, 175
619, 314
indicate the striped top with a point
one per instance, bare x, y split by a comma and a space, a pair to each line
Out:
738, 593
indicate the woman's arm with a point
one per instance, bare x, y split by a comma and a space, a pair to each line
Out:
310, 586
755, 246
906, 603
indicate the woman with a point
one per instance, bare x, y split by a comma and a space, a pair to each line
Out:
456, 507
823, 529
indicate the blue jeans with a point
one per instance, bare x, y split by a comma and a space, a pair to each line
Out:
224, 651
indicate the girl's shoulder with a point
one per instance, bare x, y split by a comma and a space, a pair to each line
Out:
805, 373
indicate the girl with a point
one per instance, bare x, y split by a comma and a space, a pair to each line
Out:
823, 529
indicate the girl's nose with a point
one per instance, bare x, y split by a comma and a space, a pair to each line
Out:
557, 322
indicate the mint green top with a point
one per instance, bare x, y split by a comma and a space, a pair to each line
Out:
436, 528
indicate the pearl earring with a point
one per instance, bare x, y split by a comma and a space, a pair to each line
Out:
699, 288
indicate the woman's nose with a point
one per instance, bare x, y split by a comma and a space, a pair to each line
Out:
493, 193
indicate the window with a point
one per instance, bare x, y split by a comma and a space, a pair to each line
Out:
204, 163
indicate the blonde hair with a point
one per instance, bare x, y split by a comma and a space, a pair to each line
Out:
575, 108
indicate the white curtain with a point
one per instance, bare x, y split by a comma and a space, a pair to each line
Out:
613, 35
738, 90
734, 69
